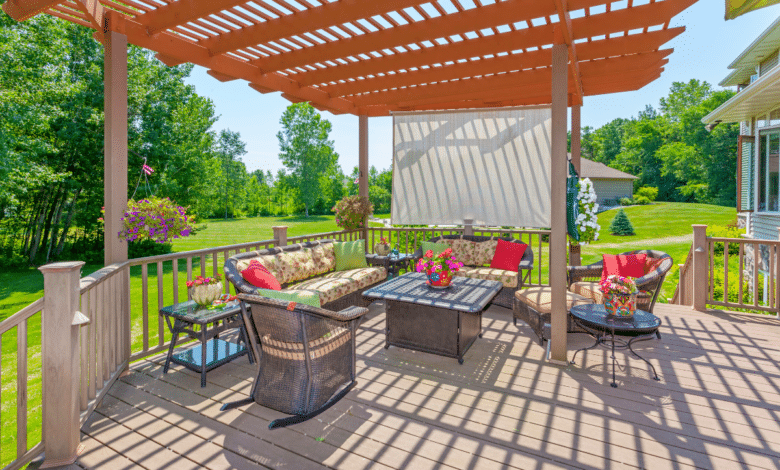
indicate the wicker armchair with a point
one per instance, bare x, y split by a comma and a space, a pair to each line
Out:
584, 280
506, 294
306, 356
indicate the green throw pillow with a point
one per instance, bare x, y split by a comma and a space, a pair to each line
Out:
298, 296
350, 255
437, 248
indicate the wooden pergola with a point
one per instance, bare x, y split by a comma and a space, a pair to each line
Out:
374, 57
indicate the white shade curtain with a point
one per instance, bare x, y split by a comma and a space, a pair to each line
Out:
489, 166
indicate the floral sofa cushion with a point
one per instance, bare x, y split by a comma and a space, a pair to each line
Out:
328, 288
295, 265
484, 251
364, 277
464, 251
324, 258
507, 278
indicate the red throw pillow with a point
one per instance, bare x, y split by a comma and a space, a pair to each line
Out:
652, 264
508, 255
624, 265
259, 276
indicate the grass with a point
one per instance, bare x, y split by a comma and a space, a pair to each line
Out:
21, 287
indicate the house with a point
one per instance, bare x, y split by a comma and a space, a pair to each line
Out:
610, 184
756, 106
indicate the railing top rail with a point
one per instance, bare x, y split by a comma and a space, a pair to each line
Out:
746, 241
194, 253
101, 275
460, 229
21, 315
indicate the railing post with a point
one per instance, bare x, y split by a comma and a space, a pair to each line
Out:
280, 236
468, 227
60, 339
699, 267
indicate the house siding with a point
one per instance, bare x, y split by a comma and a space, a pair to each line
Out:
747, 174
612, 190
764, 226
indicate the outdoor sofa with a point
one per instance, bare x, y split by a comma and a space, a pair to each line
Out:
308, 267
476, 252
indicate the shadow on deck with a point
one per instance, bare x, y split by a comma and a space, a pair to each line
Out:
717, 406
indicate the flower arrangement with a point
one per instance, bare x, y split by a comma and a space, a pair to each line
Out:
587, 221
351, 212
204, 291
156, 219
439, 268
619, 295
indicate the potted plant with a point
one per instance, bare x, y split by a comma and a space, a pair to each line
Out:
619, 295
439, 268
382, 248
351, 212
204, 291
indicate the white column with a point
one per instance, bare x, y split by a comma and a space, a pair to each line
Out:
60, 340
115, 145
363, 167
560, 79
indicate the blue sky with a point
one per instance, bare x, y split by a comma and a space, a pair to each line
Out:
703, 51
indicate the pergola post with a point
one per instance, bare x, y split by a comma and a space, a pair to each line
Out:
363, 168
574, 250
559, 172
115, 145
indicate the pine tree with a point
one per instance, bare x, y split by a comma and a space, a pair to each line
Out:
621, 225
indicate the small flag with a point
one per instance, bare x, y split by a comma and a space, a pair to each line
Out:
147, 169
357, 180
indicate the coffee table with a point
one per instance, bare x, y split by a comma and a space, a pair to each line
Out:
602, 327
437, 321
212, 351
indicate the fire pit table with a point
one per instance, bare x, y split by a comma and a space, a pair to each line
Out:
437, 321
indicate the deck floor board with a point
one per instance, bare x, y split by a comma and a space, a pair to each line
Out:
717, 406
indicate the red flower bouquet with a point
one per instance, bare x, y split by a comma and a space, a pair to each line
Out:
439, 268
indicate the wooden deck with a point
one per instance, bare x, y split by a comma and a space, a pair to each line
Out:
717, 406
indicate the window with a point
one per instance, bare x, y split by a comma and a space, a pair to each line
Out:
769, 172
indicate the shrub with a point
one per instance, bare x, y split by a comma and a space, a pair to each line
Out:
725, 231
626, 201
648, 192
621, 225
351, 212
642, 200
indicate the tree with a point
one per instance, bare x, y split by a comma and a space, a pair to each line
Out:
305, 150
229, 150
621, 225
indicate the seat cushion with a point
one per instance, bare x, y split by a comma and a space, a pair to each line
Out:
540, 299
364, 277
329, 289
507, 278
297, 296
592, 291
463, 251
350, 255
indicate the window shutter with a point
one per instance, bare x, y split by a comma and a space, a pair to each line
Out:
745, 165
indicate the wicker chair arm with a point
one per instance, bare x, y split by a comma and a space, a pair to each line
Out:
575, 273
346, 315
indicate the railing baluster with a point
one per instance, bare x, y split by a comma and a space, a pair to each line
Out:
756, 258
771, 283
21, 388
203, 265
94, 373
160, 305
726, 270
145, 303
775, 300
741, 273
189, 275
175, 281
84, 359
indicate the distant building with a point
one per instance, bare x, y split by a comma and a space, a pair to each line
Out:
610, 184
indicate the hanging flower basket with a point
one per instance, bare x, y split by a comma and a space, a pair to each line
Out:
157, 219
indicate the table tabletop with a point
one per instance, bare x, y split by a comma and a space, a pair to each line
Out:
464, 294
402, 257
190, 312
595, 315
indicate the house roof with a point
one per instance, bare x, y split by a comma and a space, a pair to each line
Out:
735, 8
745, 64
369, 57
759, 98
600, 171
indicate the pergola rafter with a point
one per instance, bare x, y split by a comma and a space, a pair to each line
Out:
360, 56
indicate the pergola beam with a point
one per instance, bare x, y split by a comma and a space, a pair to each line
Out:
443, 26
173, 46
181, 12
568, 39
95, 14
312, 19
22, 10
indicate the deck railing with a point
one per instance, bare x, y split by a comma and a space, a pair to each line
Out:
735, 273
114, 320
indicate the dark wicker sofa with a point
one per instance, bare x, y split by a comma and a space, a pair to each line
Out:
480, 271
349, 285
